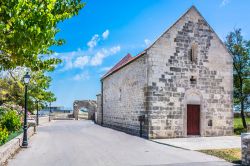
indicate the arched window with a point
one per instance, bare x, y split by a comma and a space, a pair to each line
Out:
194, 53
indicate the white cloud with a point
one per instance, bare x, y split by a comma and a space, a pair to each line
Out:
115, 49
81, 61
105, 69
100, 55
89, 57
82, 76
96, 38
94, 41
98, 58
105, 34
66, 63
224, 2
147, 42
67, 59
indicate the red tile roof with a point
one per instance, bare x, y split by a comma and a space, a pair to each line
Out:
123, 62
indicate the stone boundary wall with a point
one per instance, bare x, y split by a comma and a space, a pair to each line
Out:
11, 147
245, 148
61, 116
43, 120
237, 114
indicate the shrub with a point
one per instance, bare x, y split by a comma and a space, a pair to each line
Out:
3, 135
11, 121
3, 110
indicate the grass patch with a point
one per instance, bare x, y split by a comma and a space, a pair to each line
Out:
238, 127
231, 155
13, 135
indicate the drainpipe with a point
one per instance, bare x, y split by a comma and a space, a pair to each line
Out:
102, 101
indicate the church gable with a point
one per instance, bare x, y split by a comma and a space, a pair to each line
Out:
193, 26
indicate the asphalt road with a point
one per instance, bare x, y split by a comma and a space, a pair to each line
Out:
82, 143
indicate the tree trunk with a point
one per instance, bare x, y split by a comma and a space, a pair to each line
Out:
243, 115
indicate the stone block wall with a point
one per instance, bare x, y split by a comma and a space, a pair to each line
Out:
123, 97
170, 88
245, 148
99, 109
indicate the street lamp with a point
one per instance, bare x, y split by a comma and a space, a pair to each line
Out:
49, 110
37, 115
26, 80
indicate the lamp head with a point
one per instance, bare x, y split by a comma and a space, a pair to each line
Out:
26, 78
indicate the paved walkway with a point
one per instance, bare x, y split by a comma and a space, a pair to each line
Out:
201, 143
82, 143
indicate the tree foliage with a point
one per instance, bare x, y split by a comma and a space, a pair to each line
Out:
38, 88
240, 51
28, 29
12, 90
27, 34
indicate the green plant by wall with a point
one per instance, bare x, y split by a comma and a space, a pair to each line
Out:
3, 135
11, 121
3, 110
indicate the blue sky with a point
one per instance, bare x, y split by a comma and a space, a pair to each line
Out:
105, 31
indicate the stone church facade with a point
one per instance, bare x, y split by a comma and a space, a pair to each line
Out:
181, 85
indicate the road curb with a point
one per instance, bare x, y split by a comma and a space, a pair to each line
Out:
10, 148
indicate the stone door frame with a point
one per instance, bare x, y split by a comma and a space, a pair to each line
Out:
194, 97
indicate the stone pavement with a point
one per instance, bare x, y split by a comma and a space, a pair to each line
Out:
201, 143
82, 143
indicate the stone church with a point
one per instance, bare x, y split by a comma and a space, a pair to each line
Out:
179, 86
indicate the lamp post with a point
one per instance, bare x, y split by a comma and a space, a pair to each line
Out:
26, 80
49, 111
37, 117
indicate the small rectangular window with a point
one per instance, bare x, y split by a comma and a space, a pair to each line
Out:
120, 97
194, 53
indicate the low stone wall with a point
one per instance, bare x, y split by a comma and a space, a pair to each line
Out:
245, 148
62, 116
43, 120
11, 147
237, 114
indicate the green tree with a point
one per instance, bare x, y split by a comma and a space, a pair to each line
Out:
12, 90
38, 89
28, 29
240, 51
